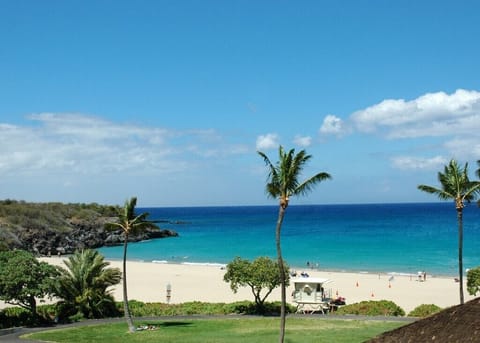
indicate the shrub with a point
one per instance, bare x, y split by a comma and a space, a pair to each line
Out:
18, 316
14, 317
140, 309
473, 281
372, 308
424, 310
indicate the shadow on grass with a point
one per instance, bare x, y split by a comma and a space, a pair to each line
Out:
172, 324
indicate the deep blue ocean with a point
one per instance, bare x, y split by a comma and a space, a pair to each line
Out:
390, 238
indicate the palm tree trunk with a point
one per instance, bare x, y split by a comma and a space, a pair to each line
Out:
460, 251
126, 308
281, 214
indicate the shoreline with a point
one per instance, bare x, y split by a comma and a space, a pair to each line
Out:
297, 268
148, 282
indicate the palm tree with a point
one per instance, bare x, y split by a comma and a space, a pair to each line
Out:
130, 223
478, 175
456, 186
84, 285
283, 182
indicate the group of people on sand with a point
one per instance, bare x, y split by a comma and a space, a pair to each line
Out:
422, 276
293, 273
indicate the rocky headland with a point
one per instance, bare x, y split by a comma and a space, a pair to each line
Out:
55, 228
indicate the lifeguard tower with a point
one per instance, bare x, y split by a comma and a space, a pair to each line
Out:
310, 294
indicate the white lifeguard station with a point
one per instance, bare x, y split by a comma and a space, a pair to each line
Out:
310, 294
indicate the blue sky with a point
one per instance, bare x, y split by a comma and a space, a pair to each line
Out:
170, 100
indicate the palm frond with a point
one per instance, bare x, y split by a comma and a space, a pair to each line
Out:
442, 194
83, 285
307, 185
283, 178
272, 188
455, 184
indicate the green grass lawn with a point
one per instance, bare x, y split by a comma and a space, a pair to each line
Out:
230, 330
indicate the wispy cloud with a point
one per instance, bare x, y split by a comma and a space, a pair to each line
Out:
467, 147
408, 162
302, 141
76, 143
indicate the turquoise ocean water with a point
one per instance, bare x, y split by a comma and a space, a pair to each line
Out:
391, 238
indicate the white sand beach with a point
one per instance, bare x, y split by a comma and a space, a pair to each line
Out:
148, 282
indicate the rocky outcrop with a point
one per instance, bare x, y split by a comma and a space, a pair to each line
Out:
52, 228
116, 237
49, 242
77, 234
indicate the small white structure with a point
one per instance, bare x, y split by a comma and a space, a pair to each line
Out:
310, 294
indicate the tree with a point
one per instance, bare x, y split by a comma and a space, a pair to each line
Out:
23, 279
473, 281
130, 223
261, 274
456, 186
478, 175
283, 183
83, 286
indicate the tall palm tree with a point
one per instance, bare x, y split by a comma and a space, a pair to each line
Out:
478, 175
84, 285
456, 186
130, 223
283, 182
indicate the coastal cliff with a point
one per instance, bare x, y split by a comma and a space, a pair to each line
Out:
53, 228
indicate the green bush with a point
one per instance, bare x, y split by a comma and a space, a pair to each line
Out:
424, 310
18, 316
14, 316
372, 308
47, 311
140, 309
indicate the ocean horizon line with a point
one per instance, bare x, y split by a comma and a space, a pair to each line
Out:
303, 204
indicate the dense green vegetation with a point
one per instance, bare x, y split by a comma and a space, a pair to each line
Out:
84, 286
16, 316
52, 215
424, 310
473, 281
20, 317
232, 330
262, 275
140, 309
372, 308
23, 279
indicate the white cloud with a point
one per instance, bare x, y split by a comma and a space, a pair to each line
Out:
80, 144
432, 114
267, 142
418, 163
333, 125
302, 141
466, 148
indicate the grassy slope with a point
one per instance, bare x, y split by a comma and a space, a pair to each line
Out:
299, 330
